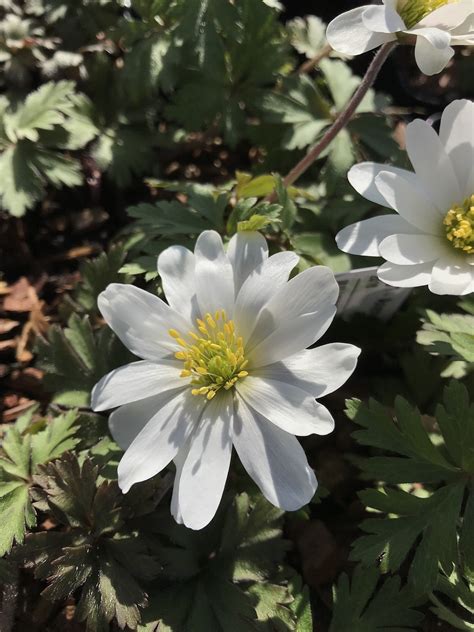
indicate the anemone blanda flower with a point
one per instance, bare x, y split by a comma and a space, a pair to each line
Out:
436, 25
224, 363
431, 239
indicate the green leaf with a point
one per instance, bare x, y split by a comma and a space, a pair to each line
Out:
20, 185
96, 275
42, 109
432, 524
449, 335
322, 250
360, 607
222, 572
75, 358
95, 556
453, 600
16, 514
307, 35
25, 446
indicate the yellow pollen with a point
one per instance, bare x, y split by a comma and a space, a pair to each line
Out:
213, 360
412, 11
459, 225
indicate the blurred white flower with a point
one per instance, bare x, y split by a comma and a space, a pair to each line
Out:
436, 25
431, 240
224, 363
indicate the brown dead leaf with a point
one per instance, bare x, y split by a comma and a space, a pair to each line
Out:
21, 298
6, 345
4, 289
7, 325
12, 413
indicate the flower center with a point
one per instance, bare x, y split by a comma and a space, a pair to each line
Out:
412, 11
459, 225
215, 358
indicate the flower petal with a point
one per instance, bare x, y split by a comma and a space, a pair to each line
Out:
246, 252
204, 473
432, 49
260, 287
317, 371
432, 165
176, 267
448, 16
451, 275
457, 135
292, 336
382, 19
141, 320
287, 406
126, 422
347, 33
179, 461
362, 178
161, 438
306, 293
364, 238
405, 276
214, 275
135, 381
274, 459
409, 249
409, 202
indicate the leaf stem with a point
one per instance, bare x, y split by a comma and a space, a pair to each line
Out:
342, 120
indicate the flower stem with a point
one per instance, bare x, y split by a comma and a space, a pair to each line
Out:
342, 120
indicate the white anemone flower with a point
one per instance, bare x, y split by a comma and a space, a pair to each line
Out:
224, 364
430, 241
436, 25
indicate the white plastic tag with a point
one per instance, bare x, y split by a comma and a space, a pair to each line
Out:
361, 292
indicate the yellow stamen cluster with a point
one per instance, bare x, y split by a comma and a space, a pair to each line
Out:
459, 225
412, 11
213, 356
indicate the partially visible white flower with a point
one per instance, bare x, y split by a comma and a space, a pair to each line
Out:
431, 239
224, 364
437, 26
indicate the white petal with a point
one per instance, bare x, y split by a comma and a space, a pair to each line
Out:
214, 274
409, 202
246, 252
364, 238
176, 268
382, 19
457, 135
449, 16
405, 276
205, 469
409, 249
141, 320
432, 165
451, 276
135, 381
317, 371
432, 50
260, 287
287, 406
274, 459
292, 336
126, 423
306, 293
362, 178
179, 461
161, 438
347, 33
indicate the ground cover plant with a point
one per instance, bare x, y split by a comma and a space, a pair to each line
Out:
236, 316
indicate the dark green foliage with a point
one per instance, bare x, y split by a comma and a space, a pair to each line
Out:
97, 555
75, 358
24, 447
453, 600
430, 523
218, 579
360, 607
96, 274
